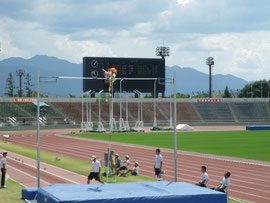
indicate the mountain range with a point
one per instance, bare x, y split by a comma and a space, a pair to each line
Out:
189, 80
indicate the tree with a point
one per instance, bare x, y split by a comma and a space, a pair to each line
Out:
72, 96
226, 93
255, 89
28, 85
10, 85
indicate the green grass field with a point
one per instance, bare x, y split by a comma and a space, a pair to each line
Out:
68, 163
243, 144
12, 194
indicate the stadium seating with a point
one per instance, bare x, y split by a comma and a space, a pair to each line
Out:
214, 111
190, 112
25, 114
251, 111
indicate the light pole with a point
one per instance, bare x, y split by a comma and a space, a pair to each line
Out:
20, 73
136, 92
127, 124
83, 123
90, 112
100, 125
210, 63
121, 121
155, 110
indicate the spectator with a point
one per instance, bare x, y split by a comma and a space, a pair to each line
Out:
204, 178
224, 186
158, 163
124, 166
135, 170
96, 169
117, 162
3, 169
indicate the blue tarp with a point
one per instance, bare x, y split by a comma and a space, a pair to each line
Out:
258, 127
155, 192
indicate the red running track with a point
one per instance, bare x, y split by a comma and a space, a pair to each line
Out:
249, 181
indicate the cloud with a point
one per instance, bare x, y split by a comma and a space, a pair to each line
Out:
236, 33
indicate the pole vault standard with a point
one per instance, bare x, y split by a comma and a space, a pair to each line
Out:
55, 78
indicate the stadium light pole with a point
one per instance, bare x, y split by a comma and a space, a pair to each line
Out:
210, 63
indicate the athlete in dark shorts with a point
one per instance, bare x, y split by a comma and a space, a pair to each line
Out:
95, 173
158, 163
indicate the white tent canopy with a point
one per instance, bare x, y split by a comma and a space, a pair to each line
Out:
184, 127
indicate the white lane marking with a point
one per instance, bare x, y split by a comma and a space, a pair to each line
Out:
27, 174
50, 173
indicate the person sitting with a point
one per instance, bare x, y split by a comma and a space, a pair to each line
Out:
134, 171
204, 178
224, 186
117, 162
124, 166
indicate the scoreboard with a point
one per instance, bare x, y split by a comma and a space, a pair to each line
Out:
127, 68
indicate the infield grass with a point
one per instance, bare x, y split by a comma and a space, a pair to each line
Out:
68, 163
11, 194
253, 145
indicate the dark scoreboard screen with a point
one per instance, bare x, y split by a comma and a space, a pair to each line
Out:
127, 68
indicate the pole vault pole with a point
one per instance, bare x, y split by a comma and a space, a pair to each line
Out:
110, 135
38, 133
175, 134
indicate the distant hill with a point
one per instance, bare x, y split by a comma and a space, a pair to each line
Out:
188, 79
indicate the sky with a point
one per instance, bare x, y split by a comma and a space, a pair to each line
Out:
235, 32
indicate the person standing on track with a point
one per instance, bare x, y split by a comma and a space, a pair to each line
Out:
96, 169
158, 163
204, 178
3, 169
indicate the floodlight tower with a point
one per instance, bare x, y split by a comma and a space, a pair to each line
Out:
20, 73
210, 63
163, 51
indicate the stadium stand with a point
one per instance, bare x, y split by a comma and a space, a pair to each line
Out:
214, 111
248, 111
25, 114
189, 111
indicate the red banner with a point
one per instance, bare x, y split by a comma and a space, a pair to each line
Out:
208, 100
24, 100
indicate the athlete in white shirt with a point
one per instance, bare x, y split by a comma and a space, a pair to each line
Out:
204, 179
135, 170
224, 186
3, 169
158, 163
95, 173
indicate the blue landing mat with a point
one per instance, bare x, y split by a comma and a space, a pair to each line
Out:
149, 192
